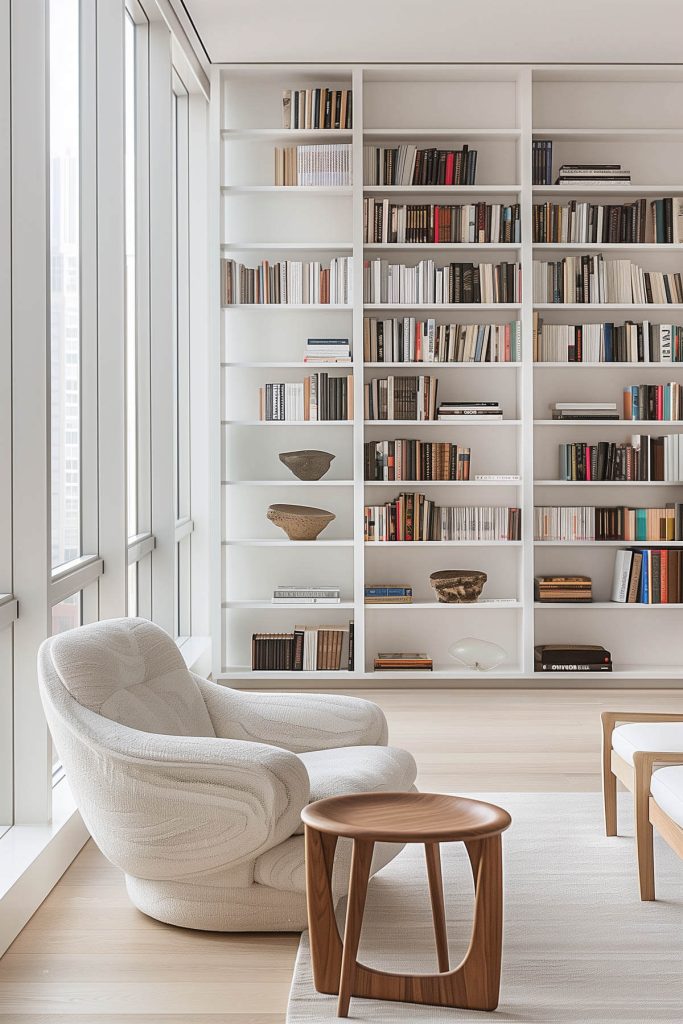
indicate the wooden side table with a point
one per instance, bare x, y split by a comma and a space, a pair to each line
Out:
429, 818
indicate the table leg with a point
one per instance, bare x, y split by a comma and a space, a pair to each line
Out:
482, 964
433, 857
358, 886
323, 933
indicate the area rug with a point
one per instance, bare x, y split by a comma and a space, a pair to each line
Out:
579, 946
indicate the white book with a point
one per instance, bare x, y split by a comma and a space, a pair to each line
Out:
622, 572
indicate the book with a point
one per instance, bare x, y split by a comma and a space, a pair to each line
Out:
594, 279
410, 340
622, 575
401, 398
327, 350
653, 402
319, 108
287, 282
410, 459
408, 165
426, 282
322, 166
577, 222
542, 161
399, 661
607, 342
608, 523
643, 458
318, 397
571, 654
413, 517
563, 588
385, 223
390, 594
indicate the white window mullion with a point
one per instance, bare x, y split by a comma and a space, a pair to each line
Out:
30, 419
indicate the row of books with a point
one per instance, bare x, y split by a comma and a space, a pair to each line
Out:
413, 517
635, 222
408, 165
317, 397
607, 343
549, 589
595, 279
409, 459
401, 398
401, 661
287, 281
314, 165
305, 649
572, 658
542, 162
388, 594
327, 350
602, 523
286, 595
653, 402
593, 174
409, 340
428, 223
643, 458
648, 576
317, 108
426, 282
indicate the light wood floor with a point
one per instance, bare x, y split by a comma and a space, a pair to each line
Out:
88, 956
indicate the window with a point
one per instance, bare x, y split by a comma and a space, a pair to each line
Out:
130, 275
181, 348
65, 299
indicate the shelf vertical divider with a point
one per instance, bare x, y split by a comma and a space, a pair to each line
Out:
358, 437
525, 381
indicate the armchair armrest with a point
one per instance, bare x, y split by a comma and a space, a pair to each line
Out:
611, 719
180, 806
294, 721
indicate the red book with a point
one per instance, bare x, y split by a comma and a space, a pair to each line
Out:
664, 577
436, 224
450, 165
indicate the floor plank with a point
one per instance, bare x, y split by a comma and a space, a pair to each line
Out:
88, 957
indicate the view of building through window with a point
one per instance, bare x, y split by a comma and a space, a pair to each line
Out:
65, 328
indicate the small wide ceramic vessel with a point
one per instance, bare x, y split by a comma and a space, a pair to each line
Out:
300, 522
308, 464
458, 586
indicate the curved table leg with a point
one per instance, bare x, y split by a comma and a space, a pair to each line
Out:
326, 946
358, 886
433, 858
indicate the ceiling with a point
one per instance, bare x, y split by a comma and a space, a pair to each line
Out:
453, 31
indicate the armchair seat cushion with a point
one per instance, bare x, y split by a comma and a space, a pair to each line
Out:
653, 736
358, 770
666, 787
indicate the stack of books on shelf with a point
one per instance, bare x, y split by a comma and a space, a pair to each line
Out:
592, 222
325, 166
409, 340
385, 282
572, 658
542, 162
648, 576
408, 165
607, 343
416, 460
327, 350
608, 523
306, 595
584, 411
592, 174
384, 221
388, 594
643, 458
460, 410
413, 517
595, 279
653, 402
317, 108
286, 282
401, 398
578, 589
403, 662
318, 397
306, 649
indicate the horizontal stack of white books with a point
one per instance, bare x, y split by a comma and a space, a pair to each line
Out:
306, 595
327, 350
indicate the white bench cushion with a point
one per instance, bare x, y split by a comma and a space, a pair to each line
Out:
627, 739
666, 787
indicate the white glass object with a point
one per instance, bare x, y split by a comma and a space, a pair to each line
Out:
480, 655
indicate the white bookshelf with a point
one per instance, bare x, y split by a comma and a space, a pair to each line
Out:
607, 114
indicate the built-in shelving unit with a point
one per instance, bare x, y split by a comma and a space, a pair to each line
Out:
607, 115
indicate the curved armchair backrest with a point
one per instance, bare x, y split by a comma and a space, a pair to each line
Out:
131, 672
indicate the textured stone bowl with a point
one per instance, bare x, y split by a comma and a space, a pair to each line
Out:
458, 586
300, 522
308, 464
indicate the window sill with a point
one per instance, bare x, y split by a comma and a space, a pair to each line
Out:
32, 860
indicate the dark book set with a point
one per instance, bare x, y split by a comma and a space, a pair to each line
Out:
408, 165
592, 222
416, 460
317, 108
572, 658
413, 517
454, 283
644, 458
318, 397
401, 398
305, 649
428, 223
409, 340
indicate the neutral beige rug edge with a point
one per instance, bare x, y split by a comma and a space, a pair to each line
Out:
579, 945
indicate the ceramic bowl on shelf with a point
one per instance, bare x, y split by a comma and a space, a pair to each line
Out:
458, 586
300, 522
308, 464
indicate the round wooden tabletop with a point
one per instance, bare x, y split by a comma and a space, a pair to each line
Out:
406, 817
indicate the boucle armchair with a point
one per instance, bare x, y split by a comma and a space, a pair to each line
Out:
195, 790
